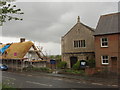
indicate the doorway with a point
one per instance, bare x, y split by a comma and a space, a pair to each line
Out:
73, 60
114, 64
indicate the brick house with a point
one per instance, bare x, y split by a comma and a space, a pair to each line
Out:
77, 44
107, 42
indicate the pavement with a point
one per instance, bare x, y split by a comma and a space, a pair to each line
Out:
98, 82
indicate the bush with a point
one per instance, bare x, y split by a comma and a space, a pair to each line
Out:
39, 69
62, 65
29, 68
7, 86
91, 63
76, 66
75, 71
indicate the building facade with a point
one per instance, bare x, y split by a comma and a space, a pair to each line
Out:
77, 44
107, 42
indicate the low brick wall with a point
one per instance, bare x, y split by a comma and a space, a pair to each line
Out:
90, 71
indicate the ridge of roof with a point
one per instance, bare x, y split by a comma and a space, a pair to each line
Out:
92, 29
70, 30
110, 14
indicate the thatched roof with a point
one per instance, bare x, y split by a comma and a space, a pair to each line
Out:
17, 50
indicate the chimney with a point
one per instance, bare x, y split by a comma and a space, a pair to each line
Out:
22, 40
78, 19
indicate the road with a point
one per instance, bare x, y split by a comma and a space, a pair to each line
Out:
30, 81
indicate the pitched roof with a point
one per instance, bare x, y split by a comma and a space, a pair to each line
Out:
81, 24
92, 29
19, 48
108, 24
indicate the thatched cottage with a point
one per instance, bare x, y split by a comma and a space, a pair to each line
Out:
24, 51
78, 44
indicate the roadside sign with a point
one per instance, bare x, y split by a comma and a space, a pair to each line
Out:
52, 61
83, 64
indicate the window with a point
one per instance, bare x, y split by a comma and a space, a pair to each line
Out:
104, 42
82, 43
79, 43
105, 59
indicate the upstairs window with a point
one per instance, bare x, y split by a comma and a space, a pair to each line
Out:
105, 59
104, 42
79, 43
82, 43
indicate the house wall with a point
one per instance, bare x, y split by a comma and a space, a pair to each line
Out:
111, 51
119, 58
31, 56
78, 32
66, 57
39, 64
18, 64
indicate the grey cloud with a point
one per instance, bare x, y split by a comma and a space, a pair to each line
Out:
47, 22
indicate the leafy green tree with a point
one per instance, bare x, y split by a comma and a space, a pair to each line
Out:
7, 11
56, 57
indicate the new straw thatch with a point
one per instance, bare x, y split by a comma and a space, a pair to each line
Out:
17, 50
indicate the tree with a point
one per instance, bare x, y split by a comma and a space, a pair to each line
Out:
7, 10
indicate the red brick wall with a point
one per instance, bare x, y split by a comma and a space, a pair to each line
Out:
119, 57
90, 71
111, 50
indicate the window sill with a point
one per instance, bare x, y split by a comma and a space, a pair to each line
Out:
105, 64
104, 46
79, 47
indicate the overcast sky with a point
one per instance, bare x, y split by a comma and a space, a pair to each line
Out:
46, 22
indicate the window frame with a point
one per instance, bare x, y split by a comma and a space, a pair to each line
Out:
83, 44
105, 60
101, 39
79, 43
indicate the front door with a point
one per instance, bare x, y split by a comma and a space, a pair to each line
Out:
114, 64
73, 60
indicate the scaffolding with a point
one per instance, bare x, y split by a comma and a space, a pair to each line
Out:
37, 59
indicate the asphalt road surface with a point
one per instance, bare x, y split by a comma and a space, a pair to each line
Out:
30, 81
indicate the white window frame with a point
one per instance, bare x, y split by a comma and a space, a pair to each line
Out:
104, 59
102, 42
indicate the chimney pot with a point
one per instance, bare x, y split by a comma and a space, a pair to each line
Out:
22, 39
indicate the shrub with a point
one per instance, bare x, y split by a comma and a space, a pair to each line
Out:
7, 86
75, 71
28, 68
91, 63
76, 66
39, 69
62, 65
